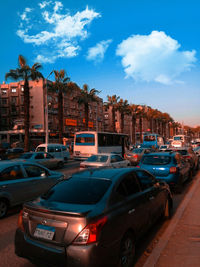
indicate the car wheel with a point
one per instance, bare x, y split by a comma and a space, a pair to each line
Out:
3, 208
127, 251
60, 165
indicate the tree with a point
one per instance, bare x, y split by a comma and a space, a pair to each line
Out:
112, 102
134, 111
60, 86
85, 98
123, 108
26, 73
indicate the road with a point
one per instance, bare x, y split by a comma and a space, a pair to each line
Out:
9, 225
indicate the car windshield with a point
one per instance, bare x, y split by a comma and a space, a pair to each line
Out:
178, 138
41, 149
156, 160
26, 156
78, 191
97, 158
149, 138
137, 150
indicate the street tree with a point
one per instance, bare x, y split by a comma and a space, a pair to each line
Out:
112, 101
25, 73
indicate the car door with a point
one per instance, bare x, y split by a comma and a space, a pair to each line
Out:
40, 179
130, 207
153, 192
14, 185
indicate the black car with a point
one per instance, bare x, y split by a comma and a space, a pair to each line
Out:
92, 219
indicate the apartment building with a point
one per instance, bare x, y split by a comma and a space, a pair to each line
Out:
12, 112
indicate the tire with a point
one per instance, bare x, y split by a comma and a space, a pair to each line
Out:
127, 251
60, 165
3, 208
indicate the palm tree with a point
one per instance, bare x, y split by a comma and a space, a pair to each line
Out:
26, 73
60, 86
112, 102
87, 96
141, 113
133, 111
123, 108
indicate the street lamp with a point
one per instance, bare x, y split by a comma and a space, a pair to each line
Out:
46, 111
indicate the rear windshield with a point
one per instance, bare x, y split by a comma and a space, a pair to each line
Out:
26, 156
98, 158
85, 139
178, 138
78, 191
137, 150
156, 160
40, 149
149, 138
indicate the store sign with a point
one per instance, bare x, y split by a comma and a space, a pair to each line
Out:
71, 122
90, 123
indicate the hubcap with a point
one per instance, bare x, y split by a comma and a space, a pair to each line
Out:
127, 252
3, 209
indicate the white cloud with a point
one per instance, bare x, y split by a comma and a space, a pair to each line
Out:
59, 32
154, 57
97, 52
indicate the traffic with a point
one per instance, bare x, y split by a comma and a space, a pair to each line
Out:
97, 214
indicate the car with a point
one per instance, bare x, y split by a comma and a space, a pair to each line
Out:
169, 167
189, 155
93, 218
12, 153
197, 151
23, 181
104, 160
135, 155
56, 150
43, 158
164, 147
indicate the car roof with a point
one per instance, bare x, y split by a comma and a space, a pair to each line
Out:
163, 153
103, 173
9, 163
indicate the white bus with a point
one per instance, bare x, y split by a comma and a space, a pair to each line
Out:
87, 143
180, 140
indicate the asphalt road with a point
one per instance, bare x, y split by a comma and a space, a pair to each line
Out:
8, 226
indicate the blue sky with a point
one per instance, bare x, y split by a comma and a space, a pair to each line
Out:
144, 51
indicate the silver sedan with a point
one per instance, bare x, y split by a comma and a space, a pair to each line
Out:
104, 160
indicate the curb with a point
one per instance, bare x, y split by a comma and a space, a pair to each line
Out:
155, 255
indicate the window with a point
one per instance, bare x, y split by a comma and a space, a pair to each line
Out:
4, 101
156, 160
4, 111
39, 156
146, 179
115, 158
97, 158
57, 149
88, 191
149, 138
11, 173
87, 139
13, 90
128, 186
13, 100
4, 92
35, 171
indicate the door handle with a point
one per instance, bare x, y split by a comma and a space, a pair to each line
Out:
131, 211
151, 198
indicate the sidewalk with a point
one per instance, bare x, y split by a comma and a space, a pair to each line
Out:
180, 243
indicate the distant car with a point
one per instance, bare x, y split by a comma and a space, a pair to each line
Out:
56, 150
135, 155
197, 151
189, 154
104, 160
12, 153
43, 158
169, 167
164, 147
92, 219
22, 181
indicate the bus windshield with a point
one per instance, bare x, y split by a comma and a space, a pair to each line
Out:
85, 139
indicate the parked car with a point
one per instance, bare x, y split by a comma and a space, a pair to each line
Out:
22, 181
197, 151
135, 155
164, 147
43, 158
104, 160
168, 166
92, 219
189, 155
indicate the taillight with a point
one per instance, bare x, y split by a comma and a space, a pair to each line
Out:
137, 166
20, 221
187, 157
90, 233
135, 156
173, 170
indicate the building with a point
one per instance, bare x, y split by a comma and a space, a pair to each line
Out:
12, 113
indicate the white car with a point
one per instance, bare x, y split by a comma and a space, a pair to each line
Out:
103, 160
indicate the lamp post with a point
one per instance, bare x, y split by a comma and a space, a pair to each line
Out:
46, 111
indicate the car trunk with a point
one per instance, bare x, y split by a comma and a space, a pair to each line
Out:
156, 170
50, 223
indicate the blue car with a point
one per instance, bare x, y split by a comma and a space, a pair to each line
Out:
168, 166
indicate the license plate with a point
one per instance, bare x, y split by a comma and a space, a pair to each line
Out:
45, 232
